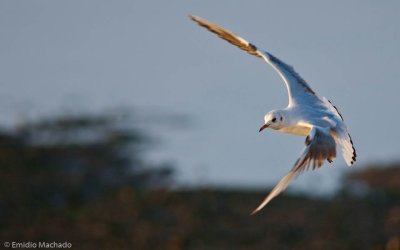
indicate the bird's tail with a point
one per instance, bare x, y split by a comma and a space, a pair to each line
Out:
282, 185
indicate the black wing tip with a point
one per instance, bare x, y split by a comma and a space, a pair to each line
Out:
354, 158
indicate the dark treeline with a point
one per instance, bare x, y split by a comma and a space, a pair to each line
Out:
84, 179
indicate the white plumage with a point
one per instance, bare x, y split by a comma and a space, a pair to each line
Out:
306, 114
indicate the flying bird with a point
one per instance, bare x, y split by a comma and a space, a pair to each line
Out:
307, 114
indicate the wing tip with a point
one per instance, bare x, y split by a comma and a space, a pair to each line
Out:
282, 185
193, 17
255, 211
261, 206
350, 162
197, 19
265, 202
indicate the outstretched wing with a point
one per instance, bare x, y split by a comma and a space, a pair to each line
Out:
320, 147
298, 90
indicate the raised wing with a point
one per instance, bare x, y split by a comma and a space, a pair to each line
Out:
320, 147
298, 90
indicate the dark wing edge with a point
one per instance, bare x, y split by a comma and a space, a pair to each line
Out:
342, 136
285, 71
321, 146
283, 67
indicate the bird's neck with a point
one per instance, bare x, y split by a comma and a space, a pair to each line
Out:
293, 125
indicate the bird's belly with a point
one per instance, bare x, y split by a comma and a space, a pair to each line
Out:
296, 130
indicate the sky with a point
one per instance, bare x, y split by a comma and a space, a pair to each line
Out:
67, 56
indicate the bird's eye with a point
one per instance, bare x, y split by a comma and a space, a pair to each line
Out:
273, 120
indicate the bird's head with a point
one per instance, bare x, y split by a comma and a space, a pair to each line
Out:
273, 120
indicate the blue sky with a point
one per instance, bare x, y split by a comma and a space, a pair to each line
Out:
64, 56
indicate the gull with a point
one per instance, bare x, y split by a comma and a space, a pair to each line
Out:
306, 115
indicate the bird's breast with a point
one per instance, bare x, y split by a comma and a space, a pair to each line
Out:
296, 130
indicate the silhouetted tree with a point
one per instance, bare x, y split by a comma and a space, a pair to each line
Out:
69, 160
